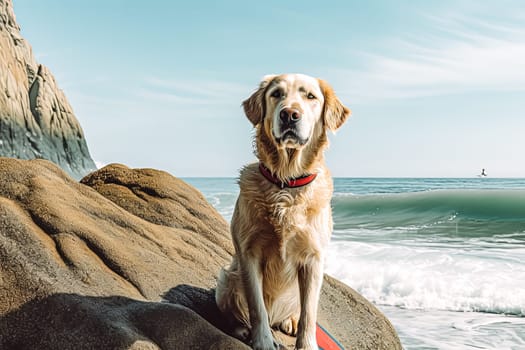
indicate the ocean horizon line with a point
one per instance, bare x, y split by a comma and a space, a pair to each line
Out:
382, 177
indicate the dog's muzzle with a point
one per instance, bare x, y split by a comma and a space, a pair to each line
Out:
289, 116
289, 127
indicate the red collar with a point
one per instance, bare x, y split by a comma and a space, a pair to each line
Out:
292, 183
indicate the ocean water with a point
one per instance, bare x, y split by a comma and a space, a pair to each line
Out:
444, 259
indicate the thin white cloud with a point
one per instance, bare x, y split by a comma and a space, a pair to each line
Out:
160, 99
473, 55
192, 92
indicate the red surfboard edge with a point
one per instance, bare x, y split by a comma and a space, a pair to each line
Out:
325, 341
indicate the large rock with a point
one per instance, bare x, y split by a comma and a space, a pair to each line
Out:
36, 120
127, 259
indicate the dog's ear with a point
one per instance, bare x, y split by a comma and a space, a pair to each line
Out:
254, 106
334, 112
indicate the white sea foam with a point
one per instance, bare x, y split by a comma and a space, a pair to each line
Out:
224, 202
426, 278
445, 330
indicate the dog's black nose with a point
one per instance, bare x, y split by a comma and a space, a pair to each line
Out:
289, 115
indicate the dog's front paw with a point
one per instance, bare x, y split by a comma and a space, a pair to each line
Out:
289, 326
308, 343
308, 347
265, 342
312, 347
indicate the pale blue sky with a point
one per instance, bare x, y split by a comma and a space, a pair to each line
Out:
437, 88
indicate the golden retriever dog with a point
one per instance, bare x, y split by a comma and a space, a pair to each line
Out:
282, 221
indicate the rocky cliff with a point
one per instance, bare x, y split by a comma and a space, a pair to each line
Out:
36, 120
127, 259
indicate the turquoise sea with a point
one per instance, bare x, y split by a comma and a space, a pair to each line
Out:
444, 259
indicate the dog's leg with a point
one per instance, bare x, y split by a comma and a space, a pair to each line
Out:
310, 281
262, 338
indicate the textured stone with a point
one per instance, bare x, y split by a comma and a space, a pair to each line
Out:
36, 120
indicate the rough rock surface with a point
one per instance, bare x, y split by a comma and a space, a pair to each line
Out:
127, 259
36, 120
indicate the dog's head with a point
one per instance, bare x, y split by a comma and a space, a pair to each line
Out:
291, 108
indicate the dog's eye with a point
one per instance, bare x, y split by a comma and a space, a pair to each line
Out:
276, 93
311, 96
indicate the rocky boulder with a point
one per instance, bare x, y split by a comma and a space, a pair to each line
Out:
36, 120
127, 259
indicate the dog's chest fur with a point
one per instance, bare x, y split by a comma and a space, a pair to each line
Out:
291, 225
